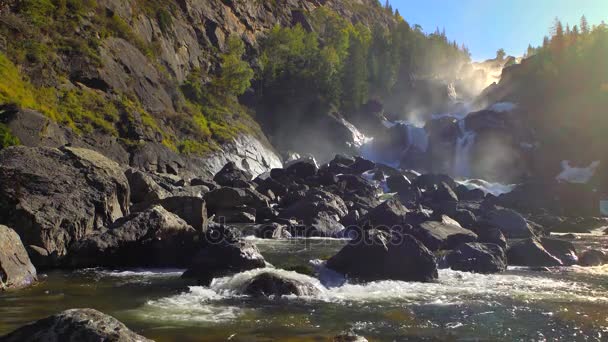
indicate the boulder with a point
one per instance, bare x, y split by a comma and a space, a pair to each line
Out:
226, 197
143, 187
241, 214
303, 168
530, 252
465, 218
593, 258
349, 337
54, 197
379, 255
269, 284
223, 253
362, 165
193, 210
561, 249
152, 238
387, 215
398, 183
16, 269
313, 204
230, 175
86, 325
432, 181
438, 235
512, 224
478, 258
490, 234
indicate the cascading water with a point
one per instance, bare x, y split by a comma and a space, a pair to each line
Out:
462, 157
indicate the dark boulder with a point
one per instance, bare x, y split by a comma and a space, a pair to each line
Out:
512, 224
193, 210
273, 284
593, 258
478, 258
490, 234
223, 253
230, 198
315, 202
433, 181
387, 215
54, 197
362, 165
230, 175
302, 169
465, 218
466, 194
398, 184
379, 255
83, 325
561, 249
240, 214
439, 235
16, 269
530, 252
152, 238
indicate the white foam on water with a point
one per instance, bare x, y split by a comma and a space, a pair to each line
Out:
196, 305
493, 188
579, 175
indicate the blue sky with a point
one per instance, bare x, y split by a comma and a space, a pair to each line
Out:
487, 25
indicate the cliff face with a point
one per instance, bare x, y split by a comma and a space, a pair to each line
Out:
134, 55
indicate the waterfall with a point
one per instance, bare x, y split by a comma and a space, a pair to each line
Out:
462, 158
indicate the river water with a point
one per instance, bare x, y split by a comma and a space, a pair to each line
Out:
569, 304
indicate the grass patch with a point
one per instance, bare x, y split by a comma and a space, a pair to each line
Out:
7, 138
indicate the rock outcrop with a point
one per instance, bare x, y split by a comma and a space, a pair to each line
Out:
16, 270
152, 238
86, 325
54, 197
478, 258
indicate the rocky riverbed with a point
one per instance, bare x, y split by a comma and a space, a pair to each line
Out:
302, 251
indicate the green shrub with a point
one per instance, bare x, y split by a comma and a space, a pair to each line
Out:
6, 138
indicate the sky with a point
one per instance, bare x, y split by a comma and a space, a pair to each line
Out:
485, 26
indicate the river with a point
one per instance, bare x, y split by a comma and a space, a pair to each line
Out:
569, 303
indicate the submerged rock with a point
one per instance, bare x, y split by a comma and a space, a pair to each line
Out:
273, 284
82, 325
55, 197
16, 269
478, 258
379, 255
530, 252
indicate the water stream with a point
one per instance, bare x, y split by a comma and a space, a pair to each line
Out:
562, 304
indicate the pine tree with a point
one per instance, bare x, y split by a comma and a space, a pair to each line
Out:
575, 31
568, 32
584, 25
546, 42
500, 54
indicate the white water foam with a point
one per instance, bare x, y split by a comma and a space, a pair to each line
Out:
495, 189
579, 175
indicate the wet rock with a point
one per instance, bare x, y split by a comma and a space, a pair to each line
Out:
437, 235
466, 194
530, 252
362, 165
269, 284
223, 253
86, 325
54, 197
16, 269
478, 258
593, 258
349, 337
563, 250
351, 218
230, 175
152, 238
379, 255
512, 224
